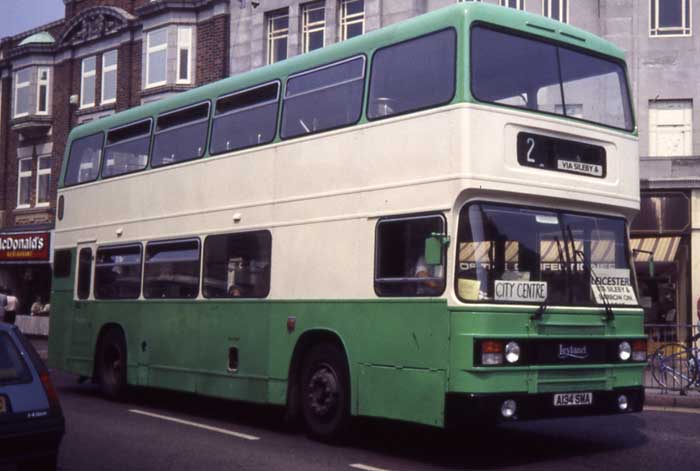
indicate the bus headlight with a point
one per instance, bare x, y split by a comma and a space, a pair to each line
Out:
512, 352
624, 350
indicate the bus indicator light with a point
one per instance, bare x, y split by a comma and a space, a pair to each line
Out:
639, 350
491, 352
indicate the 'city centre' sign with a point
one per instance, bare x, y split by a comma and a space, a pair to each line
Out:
24, 247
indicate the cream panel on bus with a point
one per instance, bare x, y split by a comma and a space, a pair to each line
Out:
331, 260
321, 196
491, 158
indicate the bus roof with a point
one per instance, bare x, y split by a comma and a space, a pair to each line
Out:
457, 15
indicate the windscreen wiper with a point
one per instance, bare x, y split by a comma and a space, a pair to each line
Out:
539, 312
609, 314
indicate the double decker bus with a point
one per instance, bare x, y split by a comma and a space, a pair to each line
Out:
426, 223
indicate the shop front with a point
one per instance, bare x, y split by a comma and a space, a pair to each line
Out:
25, 265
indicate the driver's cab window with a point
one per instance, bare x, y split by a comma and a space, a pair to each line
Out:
401, 268
515, 254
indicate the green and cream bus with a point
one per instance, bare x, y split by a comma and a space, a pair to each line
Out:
426, 223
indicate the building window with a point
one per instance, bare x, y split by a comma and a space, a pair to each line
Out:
22, 92
109, 77
184, 55
43, 88
669, 17
24, 183
670, 128
87, 82
517, 4
43, 180
313, 26
556, 10
352, 18
156, 57
277, 35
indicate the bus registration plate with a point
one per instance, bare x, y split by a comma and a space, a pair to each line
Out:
573, 399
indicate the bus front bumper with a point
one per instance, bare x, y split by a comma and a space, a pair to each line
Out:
461, 408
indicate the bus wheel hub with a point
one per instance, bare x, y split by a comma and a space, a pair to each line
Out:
323, 391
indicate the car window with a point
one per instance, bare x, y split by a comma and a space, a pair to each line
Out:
13, 369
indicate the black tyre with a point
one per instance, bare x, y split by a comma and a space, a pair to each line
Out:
111, 364
325, 393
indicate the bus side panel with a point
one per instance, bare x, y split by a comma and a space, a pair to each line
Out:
60, 327
241, 325
397, 351
61, 319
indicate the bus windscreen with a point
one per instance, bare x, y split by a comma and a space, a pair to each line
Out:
522, 72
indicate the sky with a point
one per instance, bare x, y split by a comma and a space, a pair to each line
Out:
21, 15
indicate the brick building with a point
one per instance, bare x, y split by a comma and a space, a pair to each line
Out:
103, 57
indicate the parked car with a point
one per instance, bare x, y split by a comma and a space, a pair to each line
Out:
31, 420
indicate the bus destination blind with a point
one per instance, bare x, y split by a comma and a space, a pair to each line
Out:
560, 155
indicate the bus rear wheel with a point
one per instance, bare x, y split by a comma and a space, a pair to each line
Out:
111, 364
325, 391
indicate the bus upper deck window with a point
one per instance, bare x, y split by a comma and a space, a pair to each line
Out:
413, 75
245, 119
127, 148
181, 135
84, 160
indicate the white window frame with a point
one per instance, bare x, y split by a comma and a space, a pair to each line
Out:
83, 76
519, 4
184, 42
307, 27
39, 83
276, 34
22, 175
564, 5
684, 30
39, 172
150, 50
19, 85
105, 70
347, 20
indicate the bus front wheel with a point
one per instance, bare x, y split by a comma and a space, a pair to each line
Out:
111, 364
325, 392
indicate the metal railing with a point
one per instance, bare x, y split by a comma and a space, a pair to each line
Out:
672, 357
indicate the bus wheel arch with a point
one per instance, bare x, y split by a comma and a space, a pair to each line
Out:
312, 346
110, 365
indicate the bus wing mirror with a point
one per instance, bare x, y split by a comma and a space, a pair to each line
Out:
434, 245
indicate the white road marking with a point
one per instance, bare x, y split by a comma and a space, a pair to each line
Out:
685, 410
366, 467
195, 424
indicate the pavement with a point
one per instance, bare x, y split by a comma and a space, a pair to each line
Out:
668, 399
655, 397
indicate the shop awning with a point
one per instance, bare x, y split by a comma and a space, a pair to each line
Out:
663, 248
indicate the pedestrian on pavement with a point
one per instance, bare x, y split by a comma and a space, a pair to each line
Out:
11, 307
37, 307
